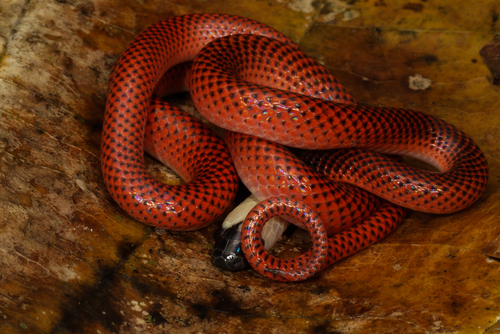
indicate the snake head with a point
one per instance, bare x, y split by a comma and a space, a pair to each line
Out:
227, 253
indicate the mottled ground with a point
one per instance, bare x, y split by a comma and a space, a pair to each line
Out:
73, 262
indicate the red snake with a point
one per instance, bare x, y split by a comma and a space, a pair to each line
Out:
300, 105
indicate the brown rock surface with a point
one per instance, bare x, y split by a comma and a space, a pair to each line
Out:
73, 262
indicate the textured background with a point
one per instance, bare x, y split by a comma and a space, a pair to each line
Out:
71, 261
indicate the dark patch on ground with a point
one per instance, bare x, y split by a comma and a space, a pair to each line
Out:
93, 304
494, 258
125, 249
429, 59
225, 303
494, 18
199, 311
491, 56
324, 329
416, 7
155, 316
319, 290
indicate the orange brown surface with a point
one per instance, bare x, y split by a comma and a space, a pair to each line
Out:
73, 262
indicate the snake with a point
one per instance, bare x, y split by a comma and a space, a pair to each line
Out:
254, 82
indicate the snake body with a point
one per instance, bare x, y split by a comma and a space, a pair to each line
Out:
131, 85
318, 113
300, 105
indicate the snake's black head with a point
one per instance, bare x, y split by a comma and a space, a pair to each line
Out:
227, 253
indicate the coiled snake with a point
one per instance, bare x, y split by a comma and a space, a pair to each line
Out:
253, 81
